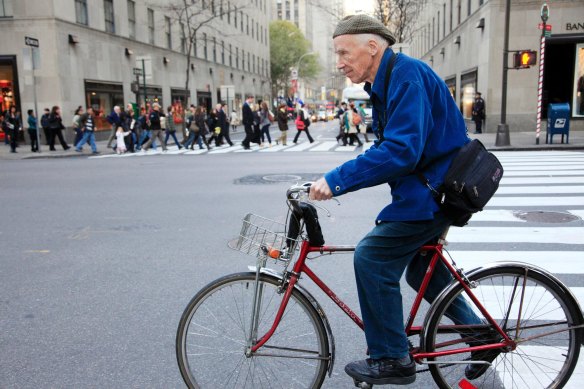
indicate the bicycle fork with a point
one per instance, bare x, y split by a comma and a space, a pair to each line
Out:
256, 308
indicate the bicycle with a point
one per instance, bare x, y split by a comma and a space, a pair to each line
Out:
262, 329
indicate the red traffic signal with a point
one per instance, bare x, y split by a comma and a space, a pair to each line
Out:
524, 59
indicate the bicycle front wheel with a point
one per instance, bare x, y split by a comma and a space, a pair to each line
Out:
533, 311
215, 326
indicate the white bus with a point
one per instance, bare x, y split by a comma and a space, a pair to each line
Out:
357, 95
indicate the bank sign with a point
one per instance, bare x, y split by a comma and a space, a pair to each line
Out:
574, 26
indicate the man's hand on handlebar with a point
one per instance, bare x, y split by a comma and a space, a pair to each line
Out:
320, 190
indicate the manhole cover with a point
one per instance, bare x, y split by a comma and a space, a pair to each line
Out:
282, 177
292, 178
546, 217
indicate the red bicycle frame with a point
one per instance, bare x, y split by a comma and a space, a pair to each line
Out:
436, 251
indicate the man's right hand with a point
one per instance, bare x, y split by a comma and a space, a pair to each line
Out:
320, 190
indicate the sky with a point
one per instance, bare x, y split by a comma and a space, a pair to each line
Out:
351, 6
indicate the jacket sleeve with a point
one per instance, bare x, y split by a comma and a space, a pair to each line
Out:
404, 137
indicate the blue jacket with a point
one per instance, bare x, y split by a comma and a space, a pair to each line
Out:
424, 130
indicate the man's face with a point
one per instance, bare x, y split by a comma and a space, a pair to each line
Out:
354, 57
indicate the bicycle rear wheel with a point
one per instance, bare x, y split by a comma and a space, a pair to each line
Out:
211, 338
532, 309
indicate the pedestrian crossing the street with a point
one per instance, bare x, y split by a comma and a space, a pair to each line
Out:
305, 146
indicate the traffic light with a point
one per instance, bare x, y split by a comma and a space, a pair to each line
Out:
524, 59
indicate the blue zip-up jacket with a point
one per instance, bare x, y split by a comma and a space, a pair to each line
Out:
424, 130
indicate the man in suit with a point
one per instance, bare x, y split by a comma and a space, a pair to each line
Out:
224, 124
247, 122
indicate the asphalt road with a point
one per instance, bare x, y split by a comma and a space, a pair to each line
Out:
100, 256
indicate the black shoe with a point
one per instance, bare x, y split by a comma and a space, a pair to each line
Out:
474, 371
383, 371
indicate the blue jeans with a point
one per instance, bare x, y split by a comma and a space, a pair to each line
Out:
173, 134
380, 260
266, 131
87, 136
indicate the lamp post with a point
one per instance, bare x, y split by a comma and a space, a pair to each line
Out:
502, 138
298, 63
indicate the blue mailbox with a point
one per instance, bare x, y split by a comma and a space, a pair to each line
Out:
558, 122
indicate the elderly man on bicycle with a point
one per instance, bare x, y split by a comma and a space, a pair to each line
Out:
420, 130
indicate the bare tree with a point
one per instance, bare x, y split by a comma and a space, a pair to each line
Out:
399, 16
193, 16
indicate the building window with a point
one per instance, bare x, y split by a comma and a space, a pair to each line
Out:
228, 12
451, 18
167, 32
150, 26
459, 6
481, 2
248, 62
279, 9
131, 19
235, 16
468, 88
438, 27
287, 9
80, 10
214, 49
108, 8
221, 9
247, 24
468, 8
296, 10
578, 95
241, 19
102, 97
222, 52
183, 39
195, 54
433, 32
242, 59
451, 84
252, 31
230, 57
205, 46
443, 20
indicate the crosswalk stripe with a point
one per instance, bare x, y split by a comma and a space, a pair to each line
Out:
346, 148
300, 147
225, 150
542, 164
495, 215
559, 262
273, 149
325, 146
540, 189
196, 152
547, 168
543, 173
540, 180
579, 213
558, 235
526, 201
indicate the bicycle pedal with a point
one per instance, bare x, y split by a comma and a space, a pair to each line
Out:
361, 384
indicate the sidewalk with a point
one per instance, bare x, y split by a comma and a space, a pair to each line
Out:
520, 141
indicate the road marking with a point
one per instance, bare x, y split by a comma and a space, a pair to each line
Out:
542, 163
38, 251
196, 152
540, 180
346, 148
325, 146
225, 150
300, 147
496, 215
540, 189
557, 235
558, 262
274, 149
579, 213
525, 201
544, 173
546, 169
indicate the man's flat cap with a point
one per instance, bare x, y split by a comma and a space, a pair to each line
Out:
363, 24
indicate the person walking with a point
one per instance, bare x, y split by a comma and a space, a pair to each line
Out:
266, 119
77, 125
223, 123
233, 120
352, 119
87, 122
362, 128
144, 129
32, 131
282, 117
11, 126
342, 135
421, 129
45, 125
155, 127
478, 113
302, 124
214, 129
247, 121
115, 119
56, 126
171, 127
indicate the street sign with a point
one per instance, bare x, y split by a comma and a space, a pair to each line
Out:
137, 71
294, 74
545, 12
33, 42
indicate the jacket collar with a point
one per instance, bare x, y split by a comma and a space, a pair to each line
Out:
376, 89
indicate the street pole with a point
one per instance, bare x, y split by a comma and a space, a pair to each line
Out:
298, 69
144, 82
34, 94
544, 18
503, 129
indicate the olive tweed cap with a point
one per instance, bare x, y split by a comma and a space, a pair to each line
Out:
363, 24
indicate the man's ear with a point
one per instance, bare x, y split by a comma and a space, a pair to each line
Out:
373, 47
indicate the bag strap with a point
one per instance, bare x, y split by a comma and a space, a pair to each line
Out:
388, 72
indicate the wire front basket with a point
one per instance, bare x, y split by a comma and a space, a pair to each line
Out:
264, 238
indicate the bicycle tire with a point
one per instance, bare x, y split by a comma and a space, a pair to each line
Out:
544, 362
213, 355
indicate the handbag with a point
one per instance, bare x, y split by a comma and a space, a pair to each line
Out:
217, 130
299, 123
470, 182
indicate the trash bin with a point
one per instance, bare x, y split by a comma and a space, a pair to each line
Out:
558, 122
